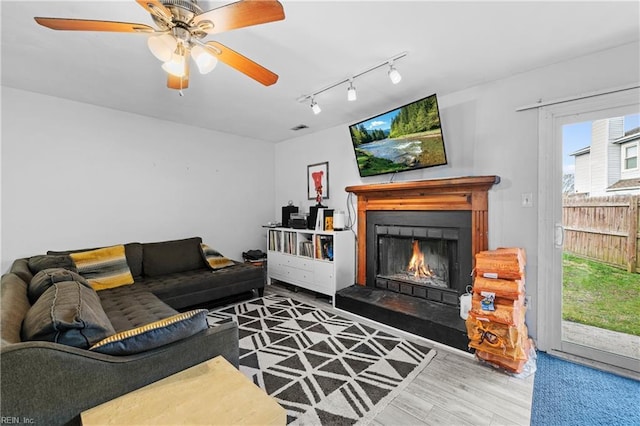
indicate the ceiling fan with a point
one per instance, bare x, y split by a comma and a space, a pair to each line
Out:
181, 27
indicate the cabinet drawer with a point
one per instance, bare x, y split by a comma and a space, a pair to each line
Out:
300, 276
292, 275
302, 263
323, 272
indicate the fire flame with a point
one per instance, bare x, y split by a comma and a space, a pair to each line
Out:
416, 264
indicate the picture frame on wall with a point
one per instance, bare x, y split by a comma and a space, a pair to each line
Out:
318, 174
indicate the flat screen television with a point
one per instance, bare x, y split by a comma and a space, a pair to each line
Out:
405, 138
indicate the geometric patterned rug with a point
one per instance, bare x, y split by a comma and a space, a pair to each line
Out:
322, 368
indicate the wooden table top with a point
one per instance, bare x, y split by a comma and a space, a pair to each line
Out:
213, 393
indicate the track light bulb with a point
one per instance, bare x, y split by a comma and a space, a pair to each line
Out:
203, 59
162, 46
315, 107
351, 92
394, 75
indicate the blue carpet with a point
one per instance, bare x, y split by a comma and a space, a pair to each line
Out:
565, 393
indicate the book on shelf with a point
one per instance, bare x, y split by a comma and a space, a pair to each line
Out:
306, 249
290, 242
324, 247
319, 219
275, 243
324, 219
328, 220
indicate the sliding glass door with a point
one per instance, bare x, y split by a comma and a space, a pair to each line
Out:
589, 290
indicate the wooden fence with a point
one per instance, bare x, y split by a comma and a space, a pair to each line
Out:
603, 229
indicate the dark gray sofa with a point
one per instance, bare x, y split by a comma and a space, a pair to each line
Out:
50, 383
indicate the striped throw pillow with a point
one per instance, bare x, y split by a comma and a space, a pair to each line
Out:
104, 268
214, 259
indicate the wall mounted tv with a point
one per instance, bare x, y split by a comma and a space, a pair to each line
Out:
406, 138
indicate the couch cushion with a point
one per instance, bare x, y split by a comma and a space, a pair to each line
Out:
104, 268
169, 257
214, 259
133, 251
155, 334
132, 306
40, 262
67, 313
48, 277
204, 285
14, 305
20, 267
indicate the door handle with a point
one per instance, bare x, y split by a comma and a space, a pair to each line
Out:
558, 239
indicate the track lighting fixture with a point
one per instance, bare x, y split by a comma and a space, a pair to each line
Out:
351, 92
393, 74
315, 107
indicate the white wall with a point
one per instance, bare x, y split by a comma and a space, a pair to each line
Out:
76, 175
484, 135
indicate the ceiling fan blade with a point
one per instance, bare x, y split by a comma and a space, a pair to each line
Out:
241, 63
90, 25
241, 14
155, 7
179, 83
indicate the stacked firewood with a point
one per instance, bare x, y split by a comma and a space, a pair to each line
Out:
495, 325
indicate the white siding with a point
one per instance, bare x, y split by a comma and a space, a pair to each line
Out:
599, 142
616, 128
616, 131
582, 177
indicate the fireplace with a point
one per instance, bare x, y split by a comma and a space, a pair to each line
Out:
422, 254
416, 245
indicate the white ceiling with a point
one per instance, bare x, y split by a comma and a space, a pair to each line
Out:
451, 45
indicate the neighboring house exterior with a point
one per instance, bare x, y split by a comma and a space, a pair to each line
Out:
609, 166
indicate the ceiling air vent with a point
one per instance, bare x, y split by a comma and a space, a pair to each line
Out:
299, 127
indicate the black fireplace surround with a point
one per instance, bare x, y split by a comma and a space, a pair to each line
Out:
441, 235
426, 305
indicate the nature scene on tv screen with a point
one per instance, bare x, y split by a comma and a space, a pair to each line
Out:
403, 139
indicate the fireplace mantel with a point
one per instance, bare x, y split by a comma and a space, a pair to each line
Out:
460, 193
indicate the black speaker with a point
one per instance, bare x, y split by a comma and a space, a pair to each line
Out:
313, 214
286, 214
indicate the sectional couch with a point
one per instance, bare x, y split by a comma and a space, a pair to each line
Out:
72, 339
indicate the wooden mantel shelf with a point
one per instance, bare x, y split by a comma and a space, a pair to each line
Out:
459, 193
457, 184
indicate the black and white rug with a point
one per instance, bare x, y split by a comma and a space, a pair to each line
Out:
321, 367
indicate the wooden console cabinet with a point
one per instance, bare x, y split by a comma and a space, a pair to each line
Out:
321, 261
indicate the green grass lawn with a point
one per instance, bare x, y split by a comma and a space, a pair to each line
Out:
600, 295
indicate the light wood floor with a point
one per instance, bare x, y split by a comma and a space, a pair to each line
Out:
453, 389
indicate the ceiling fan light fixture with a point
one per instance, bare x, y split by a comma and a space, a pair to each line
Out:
394, 74
176, 66
203, 59
351, 92
162, 46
